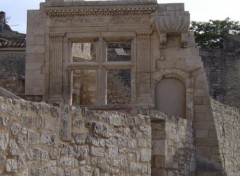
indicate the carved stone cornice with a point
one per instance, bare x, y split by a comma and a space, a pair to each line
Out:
102, 10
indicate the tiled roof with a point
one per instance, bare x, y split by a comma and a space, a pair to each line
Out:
12, 43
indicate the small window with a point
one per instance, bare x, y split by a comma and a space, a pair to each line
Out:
84, 86
119, 86
119, 51
84, 52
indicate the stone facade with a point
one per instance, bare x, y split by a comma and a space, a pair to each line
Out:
157, 45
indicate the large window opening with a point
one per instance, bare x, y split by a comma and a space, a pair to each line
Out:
119, 86
101, 72
119, 51
84, 52
84, 87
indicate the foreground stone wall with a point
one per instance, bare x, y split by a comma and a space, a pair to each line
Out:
38, 139
227, 121
172, 143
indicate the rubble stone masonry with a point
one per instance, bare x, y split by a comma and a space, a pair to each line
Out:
38, 139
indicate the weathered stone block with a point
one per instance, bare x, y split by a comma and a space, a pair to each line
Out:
11, 165
145, 155
4, 139
97, 151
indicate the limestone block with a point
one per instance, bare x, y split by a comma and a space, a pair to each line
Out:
11, 165
80, 138
97, 151
14, 149
33, 137
113, 151
15, 128
37, 154
4, 139
35, 49
142, 143
2, 158
134, 167
145, 155
35, 22
48, 138
101, 129
35, 58
33, 66
22, 141
22, 162
86, 170
115, 120
68, 162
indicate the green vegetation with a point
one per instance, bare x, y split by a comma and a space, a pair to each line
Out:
210, 34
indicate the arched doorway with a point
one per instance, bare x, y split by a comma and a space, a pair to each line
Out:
170, 97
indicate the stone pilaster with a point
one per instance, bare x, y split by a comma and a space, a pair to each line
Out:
56, 68
144, 66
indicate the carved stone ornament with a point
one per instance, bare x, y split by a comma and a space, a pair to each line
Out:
172, 23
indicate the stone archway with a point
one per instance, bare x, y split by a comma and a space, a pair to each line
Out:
171, 97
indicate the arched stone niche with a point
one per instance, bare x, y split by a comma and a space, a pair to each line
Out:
170, 97
173, 92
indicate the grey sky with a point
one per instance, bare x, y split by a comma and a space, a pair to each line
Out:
200, 10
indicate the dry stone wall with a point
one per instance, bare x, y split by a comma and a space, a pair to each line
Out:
41, 140
227, 121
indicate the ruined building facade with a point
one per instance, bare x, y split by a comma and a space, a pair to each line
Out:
137, 60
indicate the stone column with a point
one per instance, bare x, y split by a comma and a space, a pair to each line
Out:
56, 68
144, 67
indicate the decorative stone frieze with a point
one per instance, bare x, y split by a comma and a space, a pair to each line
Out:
99, 11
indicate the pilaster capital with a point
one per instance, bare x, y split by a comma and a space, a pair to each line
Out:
143, 34
56, 35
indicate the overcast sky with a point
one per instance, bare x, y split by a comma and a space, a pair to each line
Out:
200, 10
